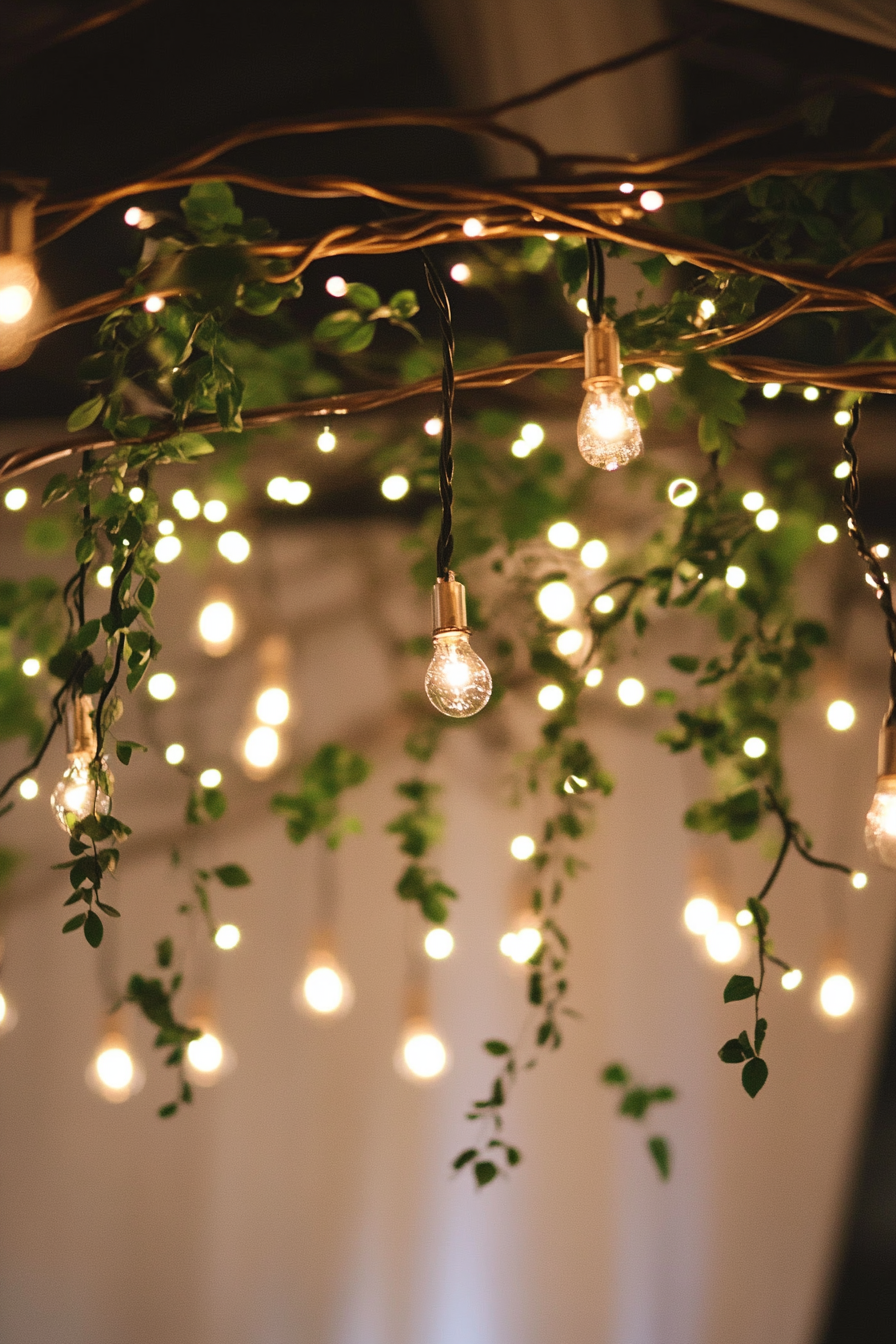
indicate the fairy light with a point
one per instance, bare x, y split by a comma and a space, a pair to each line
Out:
700, 915
227, 937
326, 440
743, 918
154, 303
569, 641
161, 686
551, 697
792, 979
175, 753
395, 487
594, 554
631, 691
647, 382
532, 434
563, 535
682, 492
604, 603
438, 944
262, 747
166, 549
473, 228
522, 847
557, 600
626, 188
460, 273
828, 534
217, 626
215, 511
811, 393
552, 237
842, 417
724, 941
755, 747
594, 676
735, 577
336, 286
521, 945
859, 880
297, 492
15, 499
837, 993
706, 308
771, 390
841, 715
664, 375
29, 789
633, 389
651, 200
186, 504
166, 527
433, 426
234, 547
767, 520
210, 779
136, 494
31, 667
276, 488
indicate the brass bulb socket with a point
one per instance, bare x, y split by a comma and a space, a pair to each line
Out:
886, 751
449, 606
603, 360
83, 731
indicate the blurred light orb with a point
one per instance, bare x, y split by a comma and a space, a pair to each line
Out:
723, 941
700, 915
272, 706
336, 286
735, 577
791, 979
631, 691
395, 487
522, 847
161, 686
837, 994
15, 499
563, 535
594, 676
174, 753
262, 747
651, 200
828, 534
570, 641
460, 273
682, 492
594, 554
234, 547
551, 697
767, 520
754, 747
29, 788
753, 501
227, 936
210, 779
438, 944
841, 715
167, 549
557, 600
215, 511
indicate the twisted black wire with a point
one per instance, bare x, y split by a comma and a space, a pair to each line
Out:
867, 556
445, 545
596, 280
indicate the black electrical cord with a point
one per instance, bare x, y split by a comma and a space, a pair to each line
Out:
872, 564
596, 280
445, 545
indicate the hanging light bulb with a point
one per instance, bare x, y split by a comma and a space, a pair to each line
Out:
113, 1072
18, 281
323, 989
208, 1057
880, 824
77, 796
608, 431
837, 990
458, 683
262, 748
217, 627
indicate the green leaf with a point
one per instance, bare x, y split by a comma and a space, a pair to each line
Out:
164, 952
635, 1103
364, 297
753, 1077
93, 929
404, 304
759, 1035
514, 1157
209, 207
615, 1075
732, 1052
463, 1158
739, 987
497, 1047
485, 1172
745, 1045
85, 414
74, 923
169, 1109
232, 875
85, 549
87, 634
684, 662
658, 1147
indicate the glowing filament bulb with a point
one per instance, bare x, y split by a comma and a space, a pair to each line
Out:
837, 994
18, 288
880, 824
324, 988
113, 1072
217, 626
458, 683
77, 796
206, 1054
608, 431
421, 1055
261, 748
272, 706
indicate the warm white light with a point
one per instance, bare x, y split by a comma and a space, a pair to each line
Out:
706, 308
161, 686
186, 503
474, 228
104, 576
210, 779
8, 1017
16, 302
682, 492
133, 215
234, 547
206, 1053
326, 441
460, 273
217, 622
557, 600
626, 188
552, 237
227, 936
519, 448
114, 1068
522, 847
336, 286
767, 520
433, 426
297, 492
631, 691
563, 535
277, 488
174, 754
608, 432
735, 577
723, 941
262, 747
31, 667
754, 747
633, 389
700, 915
16, 498
395, 487
582, 305
837, 994
166, 527
323, 989
811, 393
859, 880
532, 434
522, 945
664, 375
791, 979
647, 382
136, 494
594, 677
215, 511
551, 697
570, 641
272, 706
438, 944
154, 303
828, 533
771, 390
841, 715
112, 1072
594, 554
881, 550
77, 795
423, 1053
880, 824
842, 417
842, 470
167, 549
743, 918
28, 789
457, 682
604, 603
651, 200
753, 501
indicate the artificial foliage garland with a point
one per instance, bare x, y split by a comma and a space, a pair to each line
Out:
210, 265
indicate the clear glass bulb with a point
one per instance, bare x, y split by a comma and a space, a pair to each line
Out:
458, 682
18, 288
323, 989
421, 1055
77, 795
208, 1057
880, 824
609, 434
113, 1072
